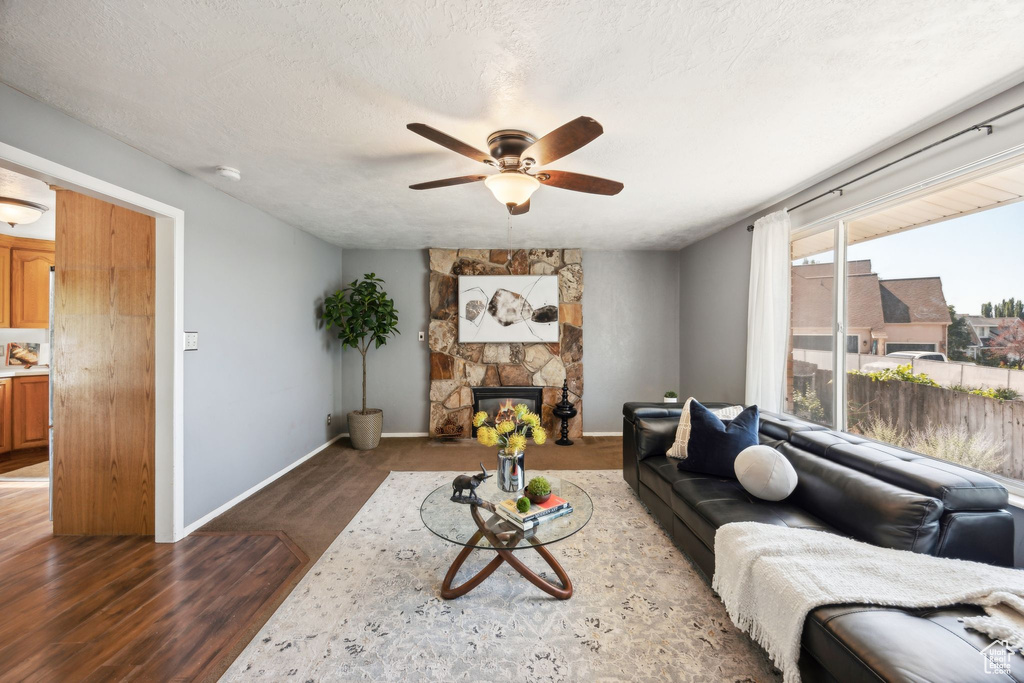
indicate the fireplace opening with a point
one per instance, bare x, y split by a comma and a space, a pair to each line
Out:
494, 400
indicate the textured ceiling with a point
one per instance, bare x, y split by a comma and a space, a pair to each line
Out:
711, 110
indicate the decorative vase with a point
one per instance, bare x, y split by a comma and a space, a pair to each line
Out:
511, 473
364, 430
671, 399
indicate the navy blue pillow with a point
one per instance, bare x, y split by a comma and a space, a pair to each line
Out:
713, 445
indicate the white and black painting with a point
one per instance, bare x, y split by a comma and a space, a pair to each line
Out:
508, 308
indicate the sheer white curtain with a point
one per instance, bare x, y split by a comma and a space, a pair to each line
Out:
768, 311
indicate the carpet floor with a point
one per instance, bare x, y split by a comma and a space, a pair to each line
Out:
314, 502
370, 609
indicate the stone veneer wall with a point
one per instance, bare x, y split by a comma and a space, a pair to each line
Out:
455, 367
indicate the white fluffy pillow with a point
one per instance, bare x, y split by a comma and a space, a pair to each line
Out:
765, 473
678, 448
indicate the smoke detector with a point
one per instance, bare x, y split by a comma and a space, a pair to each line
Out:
229, 173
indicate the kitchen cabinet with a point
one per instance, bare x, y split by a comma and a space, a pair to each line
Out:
30, 287
30, 423
6, 386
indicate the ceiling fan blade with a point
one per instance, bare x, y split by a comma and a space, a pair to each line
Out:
461, 180
521, 209
579, 182
563, 140
445, 140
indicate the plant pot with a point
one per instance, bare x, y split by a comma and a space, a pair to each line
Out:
364, 428
511, 471
538, 499
671, 400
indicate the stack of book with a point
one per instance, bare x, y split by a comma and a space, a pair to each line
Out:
553, 508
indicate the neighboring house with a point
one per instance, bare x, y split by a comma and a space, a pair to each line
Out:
908, 314
994, 335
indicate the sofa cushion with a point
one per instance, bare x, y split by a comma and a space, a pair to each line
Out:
863, 507
957, 487
704, 503
870, 643
782, 427
713, 444
659, 473
653, 436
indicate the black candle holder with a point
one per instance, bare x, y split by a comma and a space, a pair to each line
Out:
565, 411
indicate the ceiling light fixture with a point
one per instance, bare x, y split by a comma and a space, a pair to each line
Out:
229, 173
511, 188
18, 211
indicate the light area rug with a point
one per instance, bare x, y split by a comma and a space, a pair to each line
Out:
370, 608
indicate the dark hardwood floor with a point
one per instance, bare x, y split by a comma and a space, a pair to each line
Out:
18, 459
126, 608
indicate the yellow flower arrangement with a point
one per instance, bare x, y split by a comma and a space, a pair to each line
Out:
540, 435
487, 436
516, 443
510, 433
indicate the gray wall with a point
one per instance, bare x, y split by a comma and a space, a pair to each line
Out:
630, 339
258, 390
630, 332
714, 272
398, 374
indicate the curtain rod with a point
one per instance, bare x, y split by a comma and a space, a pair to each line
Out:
985, 125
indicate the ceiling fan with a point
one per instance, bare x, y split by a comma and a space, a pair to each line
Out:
516, 154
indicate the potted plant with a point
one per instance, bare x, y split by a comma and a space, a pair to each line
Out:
538, 490
671, 397
509, 430
364, 314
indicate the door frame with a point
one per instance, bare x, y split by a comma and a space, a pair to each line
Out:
169, 503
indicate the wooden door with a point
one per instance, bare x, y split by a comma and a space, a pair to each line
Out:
31, 411
5, 415
103, 369
30, 288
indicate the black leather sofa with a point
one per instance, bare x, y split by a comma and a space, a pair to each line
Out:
857, 488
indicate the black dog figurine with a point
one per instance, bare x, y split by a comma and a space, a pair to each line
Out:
465, 481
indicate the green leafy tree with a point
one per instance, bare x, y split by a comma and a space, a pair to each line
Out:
958, 338
363, 314
986, 309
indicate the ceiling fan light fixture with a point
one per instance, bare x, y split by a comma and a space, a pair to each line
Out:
511, 188
18, 211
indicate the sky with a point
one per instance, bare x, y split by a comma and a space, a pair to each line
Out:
980, 257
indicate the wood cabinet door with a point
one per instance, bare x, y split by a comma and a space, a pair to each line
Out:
6, 386
30, 288
31, 423
5, 288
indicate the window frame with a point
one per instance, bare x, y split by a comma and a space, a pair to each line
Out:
838, 221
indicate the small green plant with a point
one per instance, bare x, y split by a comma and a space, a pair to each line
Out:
539, 486
523, 504
808, 406
671, 394
1000, 394
902, 373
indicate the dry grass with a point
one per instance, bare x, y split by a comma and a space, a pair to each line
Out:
952, 443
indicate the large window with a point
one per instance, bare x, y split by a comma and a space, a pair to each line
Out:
930, 319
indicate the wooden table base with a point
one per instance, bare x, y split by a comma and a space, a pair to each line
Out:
504, 554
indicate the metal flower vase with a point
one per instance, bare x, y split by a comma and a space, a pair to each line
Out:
511, 473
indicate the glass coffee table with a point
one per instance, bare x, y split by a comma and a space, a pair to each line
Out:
477, 527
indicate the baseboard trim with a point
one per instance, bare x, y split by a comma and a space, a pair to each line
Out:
602, 433
242, 496
397, 435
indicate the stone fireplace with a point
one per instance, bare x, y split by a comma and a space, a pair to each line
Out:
456, 368
497, 400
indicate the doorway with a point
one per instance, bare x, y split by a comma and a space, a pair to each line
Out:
167, 337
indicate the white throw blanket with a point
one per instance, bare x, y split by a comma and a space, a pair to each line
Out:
771, 577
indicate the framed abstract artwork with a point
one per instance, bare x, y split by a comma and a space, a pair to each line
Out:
508, 308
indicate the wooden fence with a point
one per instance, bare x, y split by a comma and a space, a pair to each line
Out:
915, 407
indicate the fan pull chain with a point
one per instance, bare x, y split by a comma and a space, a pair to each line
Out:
508, 255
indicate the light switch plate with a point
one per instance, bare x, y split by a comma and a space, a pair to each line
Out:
191, 341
